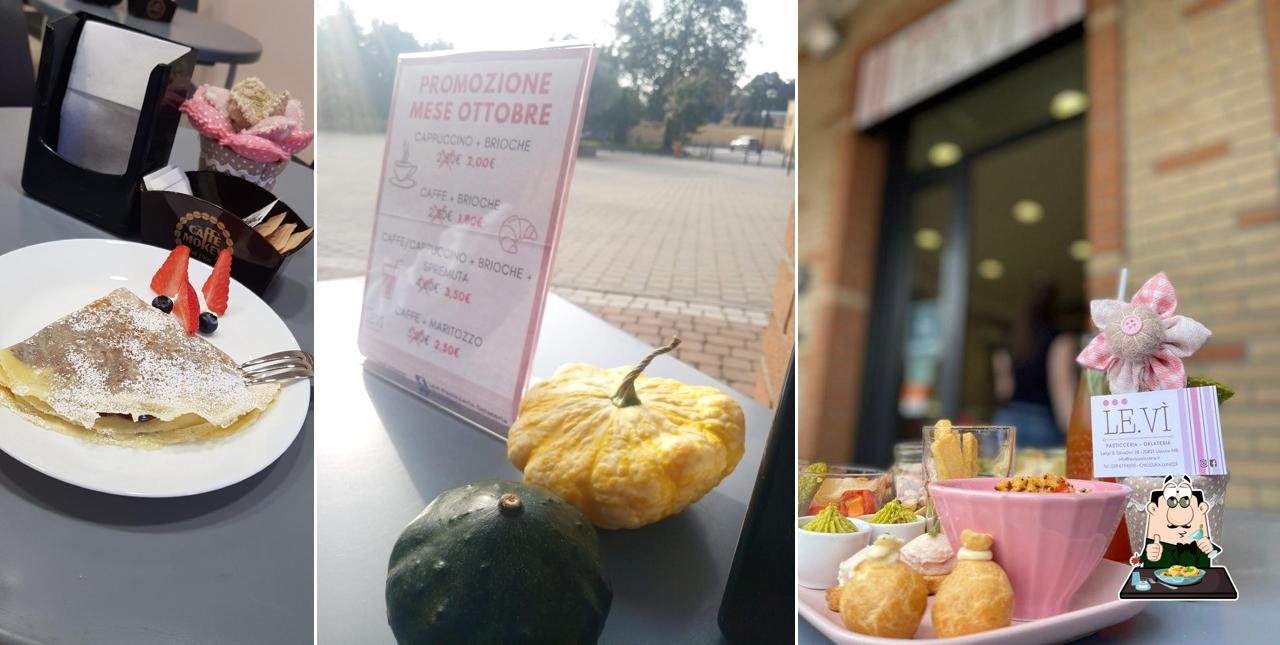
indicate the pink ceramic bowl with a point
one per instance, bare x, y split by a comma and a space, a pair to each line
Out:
1048, 543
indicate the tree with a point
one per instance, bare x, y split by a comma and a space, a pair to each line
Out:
635, 44
687, 59
342, 95
357, 70
382, 46
611, 108
747, 103
691, 102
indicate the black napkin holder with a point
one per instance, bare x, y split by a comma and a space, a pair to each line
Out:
209, 220
105, 199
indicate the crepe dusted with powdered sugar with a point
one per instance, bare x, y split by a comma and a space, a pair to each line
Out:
121, 371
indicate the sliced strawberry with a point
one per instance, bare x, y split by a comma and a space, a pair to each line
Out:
215, 288
187, 308
169, 279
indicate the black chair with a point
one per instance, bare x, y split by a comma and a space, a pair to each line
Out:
17, 78
189, 5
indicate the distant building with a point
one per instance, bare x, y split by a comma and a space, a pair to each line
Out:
776, 118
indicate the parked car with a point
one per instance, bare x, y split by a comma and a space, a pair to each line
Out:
746, 142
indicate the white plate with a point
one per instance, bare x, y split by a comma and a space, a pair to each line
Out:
1096, 605
44, 282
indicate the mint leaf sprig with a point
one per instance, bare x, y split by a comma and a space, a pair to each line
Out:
1224, 392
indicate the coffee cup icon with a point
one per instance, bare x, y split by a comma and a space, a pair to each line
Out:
402, 171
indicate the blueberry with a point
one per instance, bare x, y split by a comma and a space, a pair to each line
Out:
163, 303
208, 323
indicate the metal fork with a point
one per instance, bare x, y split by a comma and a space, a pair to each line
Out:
278, 367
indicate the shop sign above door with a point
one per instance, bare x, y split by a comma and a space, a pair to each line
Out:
950, 44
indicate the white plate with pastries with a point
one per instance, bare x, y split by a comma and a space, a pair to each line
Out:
67, 275
1094, 607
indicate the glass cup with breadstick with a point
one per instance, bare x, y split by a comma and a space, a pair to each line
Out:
962, 452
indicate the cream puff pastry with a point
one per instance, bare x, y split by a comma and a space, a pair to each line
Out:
976, 596
884, 597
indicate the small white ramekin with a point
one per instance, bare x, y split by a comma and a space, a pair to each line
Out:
818, 555
905, 532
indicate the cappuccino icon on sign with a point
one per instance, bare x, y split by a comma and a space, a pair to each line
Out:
402, 171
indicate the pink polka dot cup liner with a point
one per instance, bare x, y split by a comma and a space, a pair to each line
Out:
219, 158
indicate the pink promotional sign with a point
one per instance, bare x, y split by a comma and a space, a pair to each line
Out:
480, 152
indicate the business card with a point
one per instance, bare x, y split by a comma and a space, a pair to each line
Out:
1157, 433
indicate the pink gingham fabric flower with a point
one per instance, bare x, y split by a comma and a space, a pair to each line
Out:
1142, 342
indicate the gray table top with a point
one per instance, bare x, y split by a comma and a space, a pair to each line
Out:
384, 454
214, 41
1248, 552
231, 566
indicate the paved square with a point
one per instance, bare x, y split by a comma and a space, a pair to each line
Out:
657, 246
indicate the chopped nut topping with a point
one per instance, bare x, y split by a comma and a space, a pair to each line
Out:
1047, 483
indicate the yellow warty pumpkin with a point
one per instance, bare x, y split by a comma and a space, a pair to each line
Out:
625, 449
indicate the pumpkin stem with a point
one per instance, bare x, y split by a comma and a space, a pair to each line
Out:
510, 504
626, 394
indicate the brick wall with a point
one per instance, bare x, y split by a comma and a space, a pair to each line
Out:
779, 338
1198, 126
839, 184
1104, 171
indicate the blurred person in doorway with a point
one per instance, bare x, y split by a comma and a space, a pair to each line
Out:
1035, 374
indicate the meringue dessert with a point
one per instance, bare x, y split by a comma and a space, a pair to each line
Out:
120, 371
931, 556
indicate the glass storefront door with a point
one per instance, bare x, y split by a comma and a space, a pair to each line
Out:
982, 251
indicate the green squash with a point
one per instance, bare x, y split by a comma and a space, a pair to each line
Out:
497, 562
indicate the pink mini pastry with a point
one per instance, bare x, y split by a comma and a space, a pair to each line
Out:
931, 556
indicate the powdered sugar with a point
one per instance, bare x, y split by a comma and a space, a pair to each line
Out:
119, 355
150, 319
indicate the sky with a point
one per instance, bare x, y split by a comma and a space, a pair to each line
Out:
479, 24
